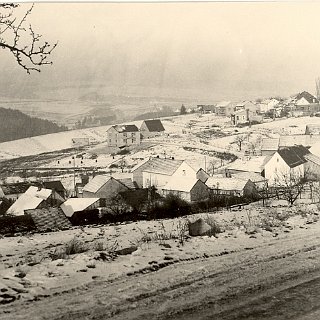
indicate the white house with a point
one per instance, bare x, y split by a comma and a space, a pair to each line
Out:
189, 189
158, 171
286, 162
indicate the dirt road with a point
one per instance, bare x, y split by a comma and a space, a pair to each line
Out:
277, 280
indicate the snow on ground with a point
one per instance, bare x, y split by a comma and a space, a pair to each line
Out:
32, 265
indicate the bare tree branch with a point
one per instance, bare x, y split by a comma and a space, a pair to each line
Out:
21, 40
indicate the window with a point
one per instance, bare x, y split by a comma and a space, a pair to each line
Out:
124, 134
184, 172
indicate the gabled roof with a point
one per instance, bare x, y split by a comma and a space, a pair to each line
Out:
228, 184
73, 205
308, 96
254, 164
128, 183
293, 156
180, 184
270, 144
54, 185
125, 128
312, 158
31, 199
96, 183
154, 125
161, 166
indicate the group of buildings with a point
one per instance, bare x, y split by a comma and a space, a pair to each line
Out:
127, 135
302, 104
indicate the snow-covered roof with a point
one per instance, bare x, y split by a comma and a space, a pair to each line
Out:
180, 184
223, 103
312, 158
158, 165
253, 176
254, 164
31, 199
73, 205
96, 183
270, 144
228, 184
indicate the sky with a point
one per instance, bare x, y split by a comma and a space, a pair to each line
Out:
202, 50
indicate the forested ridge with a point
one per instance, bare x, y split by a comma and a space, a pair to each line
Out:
16, 125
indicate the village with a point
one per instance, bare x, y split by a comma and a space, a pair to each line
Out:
107, 201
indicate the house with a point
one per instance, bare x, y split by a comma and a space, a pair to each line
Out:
306, 109
35, 198
313, 129
206, 108
75, 206
271, 145
246, 105
305, 98
189, 189
224, 108
225, 186
57, 186
288, 161
267, 105
157, 172
259, 181
123, 136
151, 128
103, 187
245, 116
312, 166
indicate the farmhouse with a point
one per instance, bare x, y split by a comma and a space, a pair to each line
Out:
151, 128
189, 189
224, 108
245, 116
206, 108
157, 172
286, 162
259, 181
231, 187
123, 136
103, 187
35, 198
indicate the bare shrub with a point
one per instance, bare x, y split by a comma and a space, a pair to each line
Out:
215, 226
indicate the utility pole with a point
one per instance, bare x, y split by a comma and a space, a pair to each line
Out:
74, 175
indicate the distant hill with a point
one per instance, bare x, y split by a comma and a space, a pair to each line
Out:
16, 125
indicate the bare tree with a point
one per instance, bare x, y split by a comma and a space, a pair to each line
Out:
239, 139
289, 186
19, 38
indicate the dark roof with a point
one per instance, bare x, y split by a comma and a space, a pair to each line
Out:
293, 156
308, 96
126, 128
154, 125
54, 185
129, 183
16, 188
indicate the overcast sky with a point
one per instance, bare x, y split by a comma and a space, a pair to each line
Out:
201, 49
